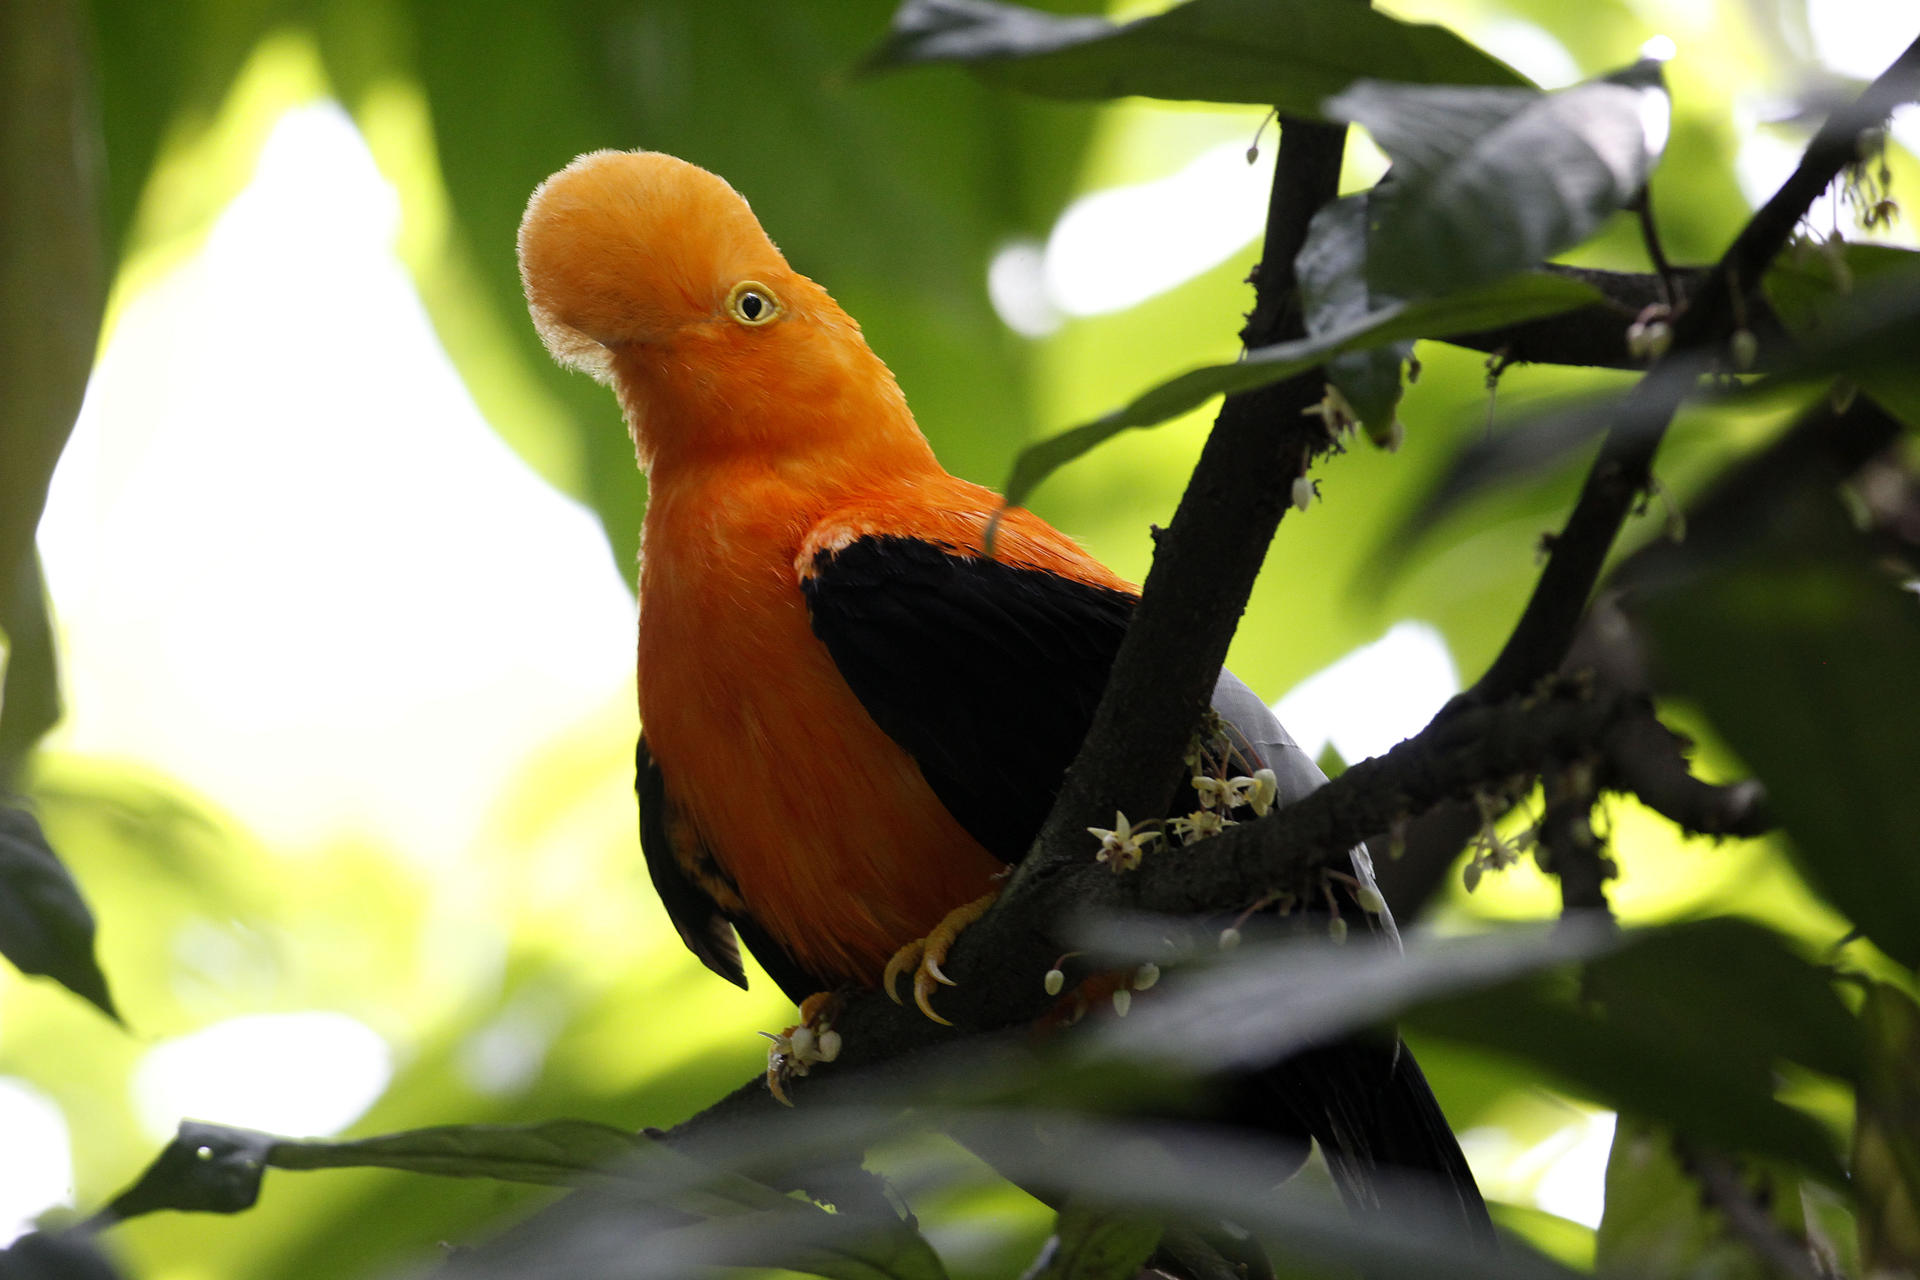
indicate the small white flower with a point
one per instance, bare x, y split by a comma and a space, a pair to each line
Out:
1145, 976
1304, 493
1200, 824
1211, 791
1264, 791
1745, 349
1122, 1001
1055, 982
1122, 847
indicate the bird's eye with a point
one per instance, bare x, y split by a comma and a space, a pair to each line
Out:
752, 303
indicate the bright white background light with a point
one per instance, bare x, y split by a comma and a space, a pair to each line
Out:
36, 1171
291, 562
306, 1075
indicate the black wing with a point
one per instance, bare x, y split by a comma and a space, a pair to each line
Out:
986, 673
700, 898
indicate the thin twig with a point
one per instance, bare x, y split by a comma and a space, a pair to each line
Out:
1748, 1220
1657, 255
1205, 563
1620, 473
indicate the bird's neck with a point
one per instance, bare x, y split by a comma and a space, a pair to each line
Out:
838, 427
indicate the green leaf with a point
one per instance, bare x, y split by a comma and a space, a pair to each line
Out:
1732, 990
212, 1168
1679, 1034
1097, 1244
1332, 270
1523, 297
1823, 293
1261, 1003
70, 1255
1799, 630
207, 1168
45, 925
1656, 1223
1287, 54
1489, 181
53, 290
553, 1153
1886, 1134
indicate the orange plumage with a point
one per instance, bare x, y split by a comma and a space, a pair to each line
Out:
851, 717
764, 444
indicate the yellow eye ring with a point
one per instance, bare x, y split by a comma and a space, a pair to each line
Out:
753, 304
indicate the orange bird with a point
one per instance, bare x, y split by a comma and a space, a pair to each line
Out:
853, 718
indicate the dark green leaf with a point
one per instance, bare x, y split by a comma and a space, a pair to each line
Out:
69, 1256
45, 925
1710, 1081
1332, 271
1733, 990
1522, 297
207, 1168
555, 1153
1799, 630
1263, 1002
1886, 1138
1097, 1244
218, 1169
1489, 181
1822, 294
53, 289
30, 694
1288, 54
1656, 1223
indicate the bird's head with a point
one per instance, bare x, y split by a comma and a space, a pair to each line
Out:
654, 275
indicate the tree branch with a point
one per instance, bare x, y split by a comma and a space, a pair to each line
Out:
1205, 563
1595, 336
998, 963
1624, 467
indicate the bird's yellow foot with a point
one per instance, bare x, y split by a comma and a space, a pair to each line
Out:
810, 1040
923, 957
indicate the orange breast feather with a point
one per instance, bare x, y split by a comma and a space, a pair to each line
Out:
839, 848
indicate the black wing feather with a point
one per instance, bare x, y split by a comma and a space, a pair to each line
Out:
986, 673
679, 863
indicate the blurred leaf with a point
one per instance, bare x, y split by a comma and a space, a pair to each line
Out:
30, 689
212, 1168
553, 1153
1332, 271
207, 1168
68, 1256
1656, 1223
1286, 54
1703, 1082
1095, 1244
1886, 1135
52, 291
1488, 181
1796, 629
1509, 301
1821, 293
1260, 1003
45, 926
1730, 990
1198, 1174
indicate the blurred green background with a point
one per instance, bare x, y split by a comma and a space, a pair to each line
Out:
339, 562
